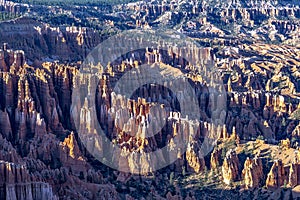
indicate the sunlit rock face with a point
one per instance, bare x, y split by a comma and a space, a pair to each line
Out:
253, 173
230, 167
129, 121
215, 159
276, 176
282, 175
35, 117
38, 132
36, 124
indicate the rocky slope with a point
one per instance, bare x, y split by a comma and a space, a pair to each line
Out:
36, 126
257, 130
231, 22
40, 41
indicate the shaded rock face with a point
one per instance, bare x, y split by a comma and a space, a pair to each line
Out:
286, 176
271, 21
230, 167
194, 161
252, 173
34, 114
215, 159
294, 176
16, 183
128, 121
257, 111
12, 7
248, 11
39, 40
277, 176
36, 127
